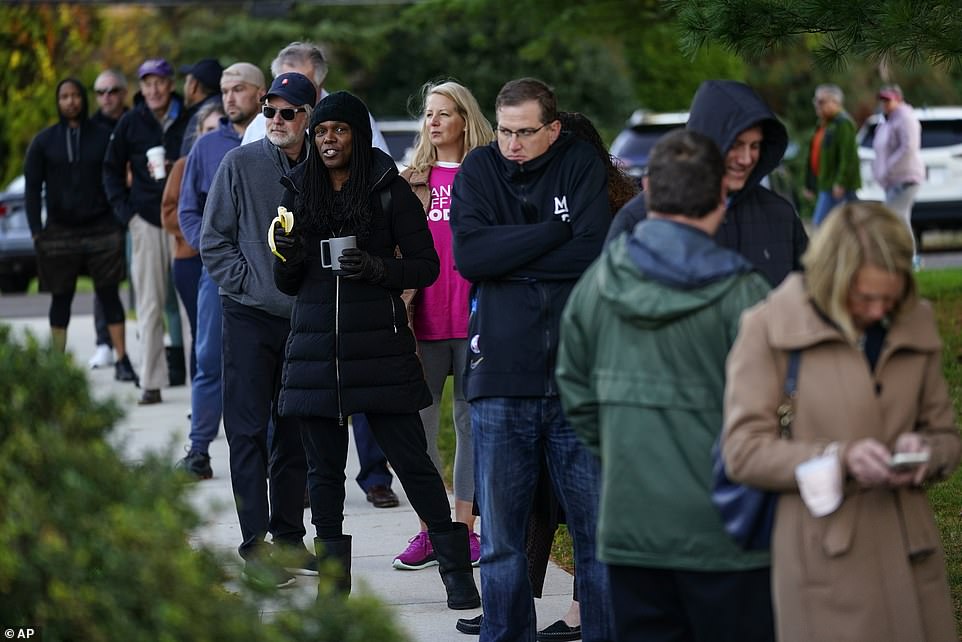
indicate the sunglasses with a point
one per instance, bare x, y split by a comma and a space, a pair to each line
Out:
287, 114
109, 90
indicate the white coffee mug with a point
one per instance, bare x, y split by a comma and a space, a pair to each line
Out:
156, 157
334, 247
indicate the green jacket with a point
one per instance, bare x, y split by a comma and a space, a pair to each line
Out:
641, 370
838, 163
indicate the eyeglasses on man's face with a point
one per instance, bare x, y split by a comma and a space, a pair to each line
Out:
107, 91
287, 114
526, 132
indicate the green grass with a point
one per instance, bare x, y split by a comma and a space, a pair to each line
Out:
944, 289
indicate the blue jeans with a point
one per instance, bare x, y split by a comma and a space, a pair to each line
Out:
825, 202
374, 471
186, 278
206, 401
509, 437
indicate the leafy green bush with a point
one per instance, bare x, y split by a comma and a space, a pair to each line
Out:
95, 549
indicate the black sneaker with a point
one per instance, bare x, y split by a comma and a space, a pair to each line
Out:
264, 574
196, 464
295, 559
470, 626
123, 371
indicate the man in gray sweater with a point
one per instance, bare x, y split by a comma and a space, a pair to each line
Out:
242, 201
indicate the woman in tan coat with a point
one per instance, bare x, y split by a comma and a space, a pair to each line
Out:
870, 385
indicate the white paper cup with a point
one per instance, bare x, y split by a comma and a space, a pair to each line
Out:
156, 157
820, 484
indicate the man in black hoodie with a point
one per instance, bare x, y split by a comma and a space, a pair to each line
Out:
80, 233
528, 215
760, 225
157, 119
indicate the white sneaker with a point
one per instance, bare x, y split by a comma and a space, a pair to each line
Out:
103, 357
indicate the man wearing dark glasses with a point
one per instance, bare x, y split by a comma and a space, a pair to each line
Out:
268, 478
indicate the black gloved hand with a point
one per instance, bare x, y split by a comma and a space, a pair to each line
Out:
359, 265
289, 246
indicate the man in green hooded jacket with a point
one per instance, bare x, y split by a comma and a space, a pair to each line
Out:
641, 371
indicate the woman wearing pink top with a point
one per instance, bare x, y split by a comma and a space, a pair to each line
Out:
453, 125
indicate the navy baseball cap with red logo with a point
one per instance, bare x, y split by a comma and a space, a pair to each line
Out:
295, 88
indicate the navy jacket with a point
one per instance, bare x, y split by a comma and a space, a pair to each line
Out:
760, 225
136, 132
522, 260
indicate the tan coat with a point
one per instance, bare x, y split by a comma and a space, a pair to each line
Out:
874, 569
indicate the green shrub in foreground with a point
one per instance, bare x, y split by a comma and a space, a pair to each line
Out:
95, 549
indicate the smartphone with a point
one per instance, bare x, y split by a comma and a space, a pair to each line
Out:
907, 461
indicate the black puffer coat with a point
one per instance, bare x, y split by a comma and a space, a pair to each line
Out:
350, 349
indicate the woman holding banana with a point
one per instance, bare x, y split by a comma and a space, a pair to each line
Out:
350, 349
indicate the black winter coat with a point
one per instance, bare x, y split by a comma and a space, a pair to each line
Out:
350, 349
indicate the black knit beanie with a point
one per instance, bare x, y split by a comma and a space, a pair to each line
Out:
347, 108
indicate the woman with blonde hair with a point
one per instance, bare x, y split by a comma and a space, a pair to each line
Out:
453, 125
855, 548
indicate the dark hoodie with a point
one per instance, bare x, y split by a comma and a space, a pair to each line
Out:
760, 225
69, 163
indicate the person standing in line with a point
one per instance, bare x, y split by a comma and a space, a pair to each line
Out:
760, 225
528, 215
350, 349
641, 369
833, 165
157, 119
80, 233
453, 125
855, 554
898, 165
268, 476
201, 87
110, 89
373, 476
242, 85
186, 263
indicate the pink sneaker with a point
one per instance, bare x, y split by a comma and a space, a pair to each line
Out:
474, 541
419, 554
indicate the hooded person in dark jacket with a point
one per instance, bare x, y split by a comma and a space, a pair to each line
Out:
760, 225
80, 234
350, 349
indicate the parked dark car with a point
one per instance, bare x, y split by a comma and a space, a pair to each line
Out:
17, 260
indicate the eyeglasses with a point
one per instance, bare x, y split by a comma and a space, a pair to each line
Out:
109, 90
287, 114
526, 132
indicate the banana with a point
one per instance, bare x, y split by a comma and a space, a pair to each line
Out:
286, 219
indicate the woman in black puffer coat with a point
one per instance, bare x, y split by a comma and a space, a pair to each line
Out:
350, 349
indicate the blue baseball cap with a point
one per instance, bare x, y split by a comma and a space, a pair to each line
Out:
156, 67
295, 88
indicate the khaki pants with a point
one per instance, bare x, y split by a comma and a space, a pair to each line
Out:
150, 260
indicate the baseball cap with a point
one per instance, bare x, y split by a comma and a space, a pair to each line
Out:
243, 72
207, 71
295, 88
156, 67
890, 92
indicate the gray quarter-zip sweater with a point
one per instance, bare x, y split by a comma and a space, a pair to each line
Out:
240, 206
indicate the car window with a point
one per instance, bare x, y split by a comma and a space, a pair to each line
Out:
17, 185
638, 140
941, 133
399, 143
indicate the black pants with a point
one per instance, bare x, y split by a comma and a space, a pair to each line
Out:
253, 355
402, 439
659, 605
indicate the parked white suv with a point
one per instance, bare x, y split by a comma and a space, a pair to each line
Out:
938, 204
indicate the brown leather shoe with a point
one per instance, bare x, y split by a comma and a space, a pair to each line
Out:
382, 496
149, 397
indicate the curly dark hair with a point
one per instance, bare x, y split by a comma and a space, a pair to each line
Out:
621, 187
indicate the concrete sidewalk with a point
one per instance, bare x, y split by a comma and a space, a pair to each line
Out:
416, 597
